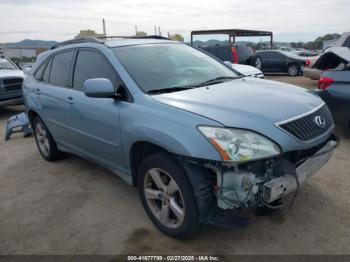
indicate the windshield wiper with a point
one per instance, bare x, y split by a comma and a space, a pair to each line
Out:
216, 80
169, 89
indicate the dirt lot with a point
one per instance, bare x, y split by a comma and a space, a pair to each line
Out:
75, 207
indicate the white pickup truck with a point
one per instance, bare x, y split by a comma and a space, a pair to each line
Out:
11, 79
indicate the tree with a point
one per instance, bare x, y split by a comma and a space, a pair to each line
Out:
176, 37
140, 34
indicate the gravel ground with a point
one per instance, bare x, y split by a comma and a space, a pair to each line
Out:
75, 207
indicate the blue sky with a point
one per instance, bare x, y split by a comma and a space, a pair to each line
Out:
297, 20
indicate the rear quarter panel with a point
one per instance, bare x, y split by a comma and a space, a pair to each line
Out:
337, 96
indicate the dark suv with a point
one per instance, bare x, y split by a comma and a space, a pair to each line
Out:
234, 53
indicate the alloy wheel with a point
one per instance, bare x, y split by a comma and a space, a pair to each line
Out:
164, 198
42, 138
293, 70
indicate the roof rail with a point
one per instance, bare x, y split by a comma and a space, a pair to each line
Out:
135, 37
77, 41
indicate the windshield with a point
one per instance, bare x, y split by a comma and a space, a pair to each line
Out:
5, 64
170, 66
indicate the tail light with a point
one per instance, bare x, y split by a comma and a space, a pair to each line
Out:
307, 62
324, 82
235, 55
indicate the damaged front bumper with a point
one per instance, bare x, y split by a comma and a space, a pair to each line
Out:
264, 184
288, 183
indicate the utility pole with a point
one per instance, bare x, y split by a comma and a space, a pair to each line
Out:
160, 33
104, 27
155, 30
135, 30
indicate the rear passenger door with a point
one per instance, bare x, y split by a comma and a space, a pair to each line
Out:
52, 94
276, 62
94, 122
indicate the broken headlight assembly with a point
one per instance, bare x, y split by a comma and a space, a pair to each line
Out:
239, 145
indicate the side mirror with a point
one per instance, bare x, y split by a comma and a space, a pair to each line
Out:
99, 88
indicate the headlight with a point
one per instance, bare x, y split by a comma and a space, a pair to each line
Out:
239, 145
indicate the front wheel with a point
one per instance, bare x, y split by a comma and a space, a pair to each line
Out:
293, 70
167, 196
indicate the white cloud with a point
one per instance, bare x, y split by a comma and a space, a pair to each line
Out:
59, 20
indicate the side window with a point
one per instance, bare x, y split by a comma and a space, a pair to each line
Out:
89, 65
46, 74
39, 72
276, 56
347, 42
60, 68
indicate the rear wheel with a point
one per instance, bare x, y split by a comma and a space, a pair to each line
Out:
293, 69
44, 140
167, 196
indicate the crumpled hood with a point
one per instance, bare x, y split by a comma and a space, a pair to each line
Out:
250, 103
4, 73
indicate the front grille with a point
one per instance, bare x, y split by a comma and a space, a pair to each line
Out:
305, 128
12, 84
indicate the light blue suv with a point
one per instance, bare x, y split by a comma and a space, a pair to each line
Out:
198, 139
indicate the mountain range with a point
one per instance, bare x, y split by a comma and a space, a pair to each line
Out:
31, 43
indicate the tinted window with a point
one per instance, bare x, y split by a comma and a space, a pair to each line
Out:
60, 68
40, 71
89, 65
244, 52
46, 74
347, 42
275, 55
224, 53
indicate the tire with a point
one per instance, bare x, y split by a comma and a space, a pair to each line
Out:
174, 213
258, 63
44, 141
293, 69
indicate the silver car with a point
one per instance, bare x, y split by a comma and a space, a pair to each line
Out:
199, 140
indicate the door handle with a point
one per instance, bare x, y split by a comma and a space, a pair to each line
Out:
69, 100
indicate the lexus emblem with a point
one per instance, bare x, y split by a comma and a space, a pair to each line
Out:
319, 120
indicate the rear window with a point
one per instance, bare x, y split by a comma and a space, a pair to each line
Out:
224, 53
60, 68
244, 51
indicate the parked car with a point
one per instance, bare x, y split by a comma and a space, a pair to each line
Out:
247, 70
309, 70
276, 61
314, 68
11, 79
334, 89
234, 53
198, 140
335, 58
237, 56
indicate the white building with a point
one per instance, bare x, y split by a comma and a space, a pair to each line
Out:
18, 52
